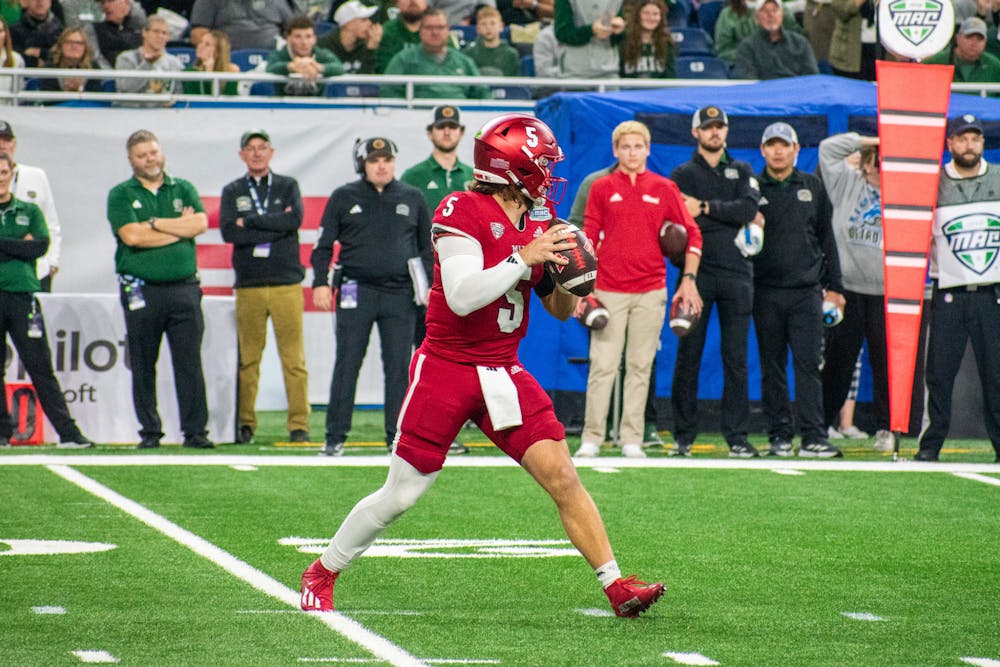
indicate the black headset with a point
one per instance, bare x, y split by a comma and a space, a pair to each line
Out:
361, 151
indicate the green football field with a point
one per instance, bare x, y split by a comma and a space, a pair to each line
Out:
175, 557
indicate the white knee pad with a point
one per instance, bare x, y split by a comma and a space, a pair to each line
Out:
403, 487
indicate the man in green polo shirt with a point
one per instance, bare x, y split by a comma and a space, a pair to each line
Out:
155, 218
23, 239
973, 64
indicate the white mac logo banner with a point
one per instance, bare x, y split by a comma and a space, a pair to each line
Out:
446, 548
915, 28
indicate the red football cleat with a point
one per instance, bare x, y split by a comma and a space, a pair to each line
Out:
317, 588
630, 597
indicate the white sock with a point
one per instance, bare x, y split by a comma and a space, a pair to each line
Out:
608, 573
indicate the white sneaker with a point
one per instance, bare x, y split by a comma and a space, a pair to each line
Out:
588, 450
833, 434
884, 441
854, 433
633, 451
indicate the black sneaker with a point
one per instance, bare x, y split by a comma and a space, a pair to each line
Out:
681, 448
743, 450
299, 435
780, 447
4, 441
332, 449
149, 442
245, 435
820, 450
79, 442
924, 455
198, 442
457, 448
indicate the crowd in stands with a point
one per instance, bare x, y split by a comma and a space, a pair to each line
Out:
311, 40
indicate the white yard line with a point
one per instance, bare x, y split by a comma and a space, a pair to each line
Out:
90, 655
346, 627
382, 461
978, 478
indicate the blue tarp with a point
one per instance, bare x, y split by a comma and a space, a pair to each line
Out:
817, 106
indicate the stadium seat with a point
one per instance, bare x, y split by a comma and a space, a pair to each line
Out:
708, 14
464, 34
248, 59
323, 27
108, 86
701, 67
693, 42
352, 90
511, 92
185, 54
33, 84
262, 89
527, 65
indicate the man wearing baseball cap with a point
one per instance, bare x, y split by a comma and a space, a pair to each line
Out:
965, 305
973, 64
31, 184
771, 52
355, 38
382, 224
721, 194
796, 270
260, 214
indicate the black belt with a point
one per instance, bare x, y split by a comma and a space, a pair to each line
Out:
190, 280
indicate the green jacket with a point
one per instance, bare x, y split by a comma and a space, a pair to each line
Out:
731, 29
277, 63
845, 43
434, 182
416, 61
17, 255
984, 70
760, 58
131, 202
395, 38
501, 60
205, 87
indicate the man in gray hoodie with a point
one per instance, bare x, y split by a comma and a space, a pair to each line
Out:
857, 227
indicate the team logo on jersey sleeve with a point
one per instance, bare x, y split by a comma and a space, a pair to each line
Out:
974, 240
497, 229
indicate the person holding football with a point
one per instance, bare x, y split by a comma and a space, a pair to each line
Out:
490, 245
625, 210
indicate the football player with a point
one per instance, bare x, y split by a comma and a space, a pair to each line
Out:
490, 245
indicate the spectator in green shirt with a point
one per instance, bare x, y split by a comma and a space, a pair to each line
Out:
493, 56
435, 57
355, 39
968, 55
402, 31
648, 51
303, 58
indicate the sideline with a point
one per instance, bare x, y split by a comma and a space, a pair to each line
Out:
381, 461
346, 627
978, 478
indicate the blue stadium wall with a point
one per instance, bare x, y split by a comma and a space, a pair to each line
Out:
817, 106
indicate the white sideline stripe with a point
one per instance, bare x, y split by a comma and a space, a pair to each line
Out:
690, 658
981, 662
49, 610
346, 627
606, 469
787, 471
978, 478
861, 616
94, 656
593, 611
243, 467
382, 461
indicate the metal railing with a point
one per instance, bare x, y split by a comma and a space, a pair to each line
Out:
352, 88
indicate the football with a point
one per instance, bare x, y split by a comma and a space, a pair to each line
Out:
682, 319
673, 240
591, 313
579, 276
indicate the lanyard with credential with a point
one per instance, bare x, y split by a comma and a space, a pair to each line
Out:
261, 210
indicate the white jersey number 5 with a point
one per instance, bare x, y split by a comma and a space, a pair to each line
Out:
509, 319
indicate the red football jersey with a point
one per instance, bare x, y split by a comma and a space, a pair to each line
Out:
490, 335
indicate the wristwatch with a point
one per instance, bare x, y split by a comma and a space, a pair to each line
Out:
692, 276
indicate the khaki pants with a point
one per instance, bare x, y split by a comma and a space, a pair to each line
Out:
284, 305
634, 325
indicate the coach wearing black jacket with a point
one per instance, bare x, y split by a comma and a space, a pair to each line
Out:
381, 224
260, 214
797, 265
721, 194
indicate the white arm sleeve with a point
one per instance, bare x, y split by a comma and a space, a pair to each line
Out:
467, 285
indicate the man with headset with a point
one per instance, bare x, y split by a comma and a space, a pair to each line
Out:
382, 224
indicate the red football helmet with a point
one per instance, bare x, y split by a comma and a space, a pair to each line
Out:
520, 150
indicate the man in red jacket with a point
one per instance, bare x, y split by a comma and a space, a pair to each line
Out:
623, 217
